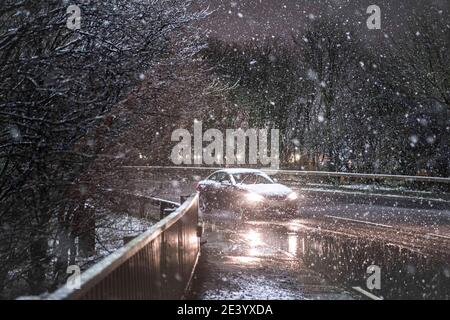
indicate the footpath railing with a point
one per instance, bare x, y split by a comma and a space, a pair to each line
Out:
158, 264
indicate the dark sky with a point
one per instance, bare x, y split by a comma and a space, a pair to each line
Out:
245, 19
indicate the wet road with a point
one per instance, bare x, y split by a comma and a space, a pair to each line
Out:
325, 250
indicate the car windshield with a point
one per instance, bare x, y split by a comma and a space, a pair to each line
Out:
252, 178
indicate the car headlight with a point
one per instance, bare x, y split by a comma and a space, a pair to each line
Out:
293, 196
254, 197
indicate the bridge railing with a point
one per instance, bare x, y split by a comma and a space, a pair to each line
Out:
157, 264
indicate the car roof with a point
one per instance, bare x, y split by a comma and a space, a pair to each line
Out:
239, 171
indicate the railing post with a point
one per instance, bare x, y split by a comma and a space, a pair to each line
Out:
183, 199
86, 232
162, 208
165, 210
142, 203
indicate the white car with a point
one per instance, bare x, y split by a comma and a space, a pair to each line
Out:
245, 190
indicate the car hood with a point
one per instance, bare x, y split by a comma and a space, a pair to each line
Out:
267, 190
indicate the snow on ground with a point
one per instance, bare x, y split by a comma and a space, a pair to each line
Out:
112, 230
368, 188
392, 196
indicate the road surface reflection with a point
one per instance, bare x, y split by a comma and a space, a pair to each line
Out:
343, 259
340, 258
405, 274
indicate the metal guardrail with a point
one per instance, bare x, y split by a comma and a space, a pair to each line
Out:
308, 173
360, 176
158, 264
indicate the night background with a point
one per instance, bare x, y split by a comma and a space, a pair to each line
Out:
88, 112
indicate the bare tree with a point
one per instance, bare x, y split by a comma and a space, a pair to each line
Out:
58, 90
419, 73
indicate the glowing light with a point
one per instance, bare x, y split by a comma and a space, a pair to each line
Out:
293, 196
254, 238
292, 243
254, 197
242, 260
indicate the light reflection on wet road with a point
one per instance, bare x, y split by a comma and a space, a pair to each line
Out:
242, 260
319, 256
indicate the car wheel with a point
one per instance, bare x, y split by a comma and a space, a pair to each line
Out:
292, 211
235, 206
243, 213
